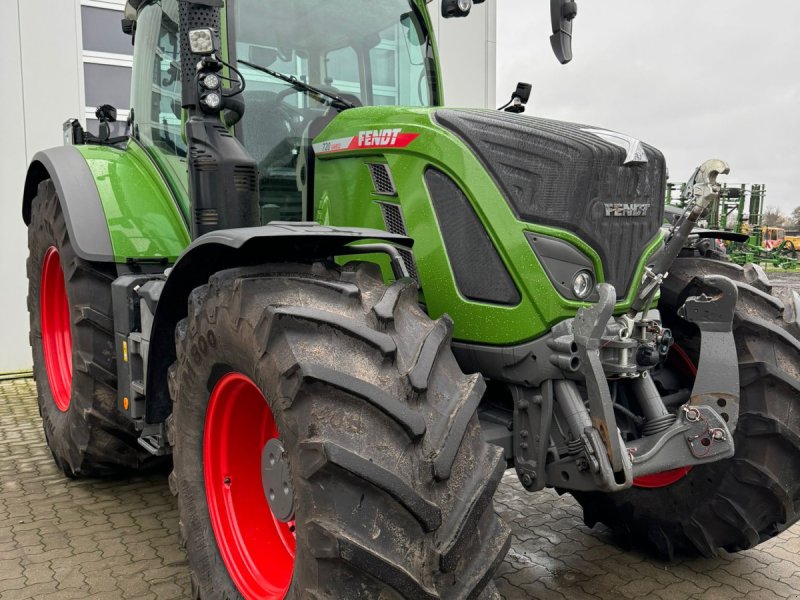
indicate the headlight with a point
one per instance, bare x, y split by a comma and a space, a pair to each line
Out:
583, 284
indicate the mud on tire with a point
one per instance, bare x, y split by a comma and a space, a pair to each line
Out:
392, 481
90, 438
736, 503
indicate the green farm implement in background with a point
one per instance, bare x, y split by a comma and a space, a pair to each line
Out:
740, 209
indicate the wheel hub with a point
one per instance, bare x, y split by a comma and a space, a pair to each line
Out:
276, 481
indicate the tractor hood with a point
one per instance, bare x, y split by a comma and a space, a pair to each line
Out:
606, 187
505, 210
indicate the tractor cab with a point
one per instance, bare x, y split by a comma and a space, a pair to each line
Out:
368, 53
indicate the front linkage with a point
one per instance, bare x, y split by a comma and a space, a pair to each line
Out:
566, 433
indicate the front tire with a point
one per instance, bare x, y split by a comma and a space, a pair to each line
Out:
740, 502
392, 482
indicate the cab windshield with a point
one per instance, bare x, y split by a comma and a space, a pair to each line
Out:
369, 52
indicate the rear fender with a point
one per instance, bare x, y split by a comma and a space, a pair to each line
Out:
79, 198
117, 206
226, 249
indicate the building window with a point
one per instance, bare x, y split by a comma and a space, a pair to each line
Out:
106, 84
102, 31
107, 61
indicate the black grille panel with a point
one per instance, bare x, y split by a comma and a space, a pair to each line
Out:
554, 173
245, 178
393, 217
395, 223
207, 216
479, 272
382, 179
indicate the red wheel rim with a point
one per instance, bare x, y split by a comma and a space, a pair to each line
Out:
56, 332
681, 362
258, 550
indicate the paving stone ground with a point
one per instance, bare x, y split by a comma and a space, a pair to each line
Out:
64, 539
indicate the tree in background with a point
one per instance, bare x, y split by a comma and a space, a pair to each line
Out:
794, 219
773, 217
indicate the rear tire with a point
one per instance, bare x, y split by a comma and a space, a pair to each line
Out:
737, 503
76, 380
392, 481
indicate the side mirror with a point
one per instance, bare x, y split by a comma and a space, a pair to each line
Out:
457, 8
519, 98
105, 114
562, 13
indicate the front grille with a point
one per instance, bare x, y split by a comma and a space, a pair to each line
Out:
559, 174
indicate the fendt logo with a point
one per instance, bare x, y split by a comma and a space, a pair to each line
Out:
369, 139
380, 137
627, 210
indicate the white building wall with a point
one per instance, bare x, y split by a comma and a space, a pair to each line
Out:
467, 50
43, 84
43, 75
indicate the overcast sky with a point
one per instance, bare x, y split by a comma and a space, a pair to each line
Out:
698, 79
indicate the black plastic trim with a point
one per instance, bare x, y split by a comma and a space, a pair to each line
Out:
561, 261
224, 249
717, 234
79, 198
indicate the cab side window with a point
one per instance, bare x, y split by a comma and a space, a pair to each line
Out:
156, 88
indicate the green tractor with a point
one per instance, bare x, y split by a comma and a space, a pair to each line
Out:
280, 276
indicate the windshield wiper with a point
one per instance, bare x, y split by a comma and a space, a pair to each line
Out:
336, 101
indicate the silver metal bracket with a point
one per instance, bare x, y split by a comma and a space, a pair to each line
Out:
154, 439
588, 327
605, 443
717, 381
570, 473
533, 413
698, 436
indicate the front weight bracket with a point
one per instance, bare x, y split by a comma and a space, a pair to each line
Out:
717, 382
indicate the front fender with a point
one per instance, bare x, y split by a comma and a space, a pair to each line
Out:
226, 249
